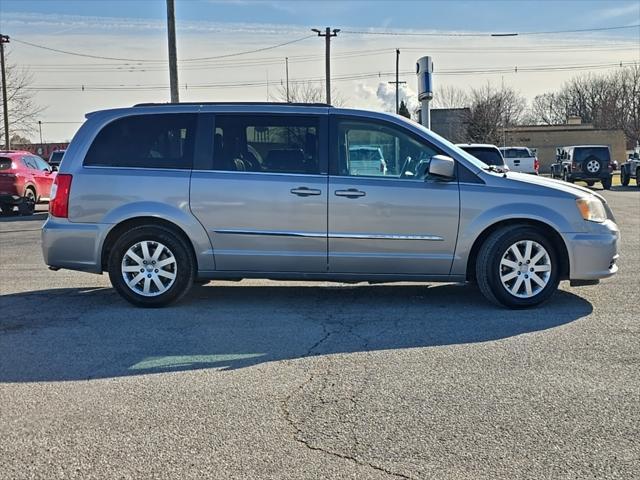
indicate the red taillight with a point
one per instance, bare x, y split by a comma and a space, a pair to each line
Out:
60, 190
536, 164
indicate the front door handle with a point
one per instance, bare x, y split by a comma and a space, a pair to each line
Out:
305, 191
350, 193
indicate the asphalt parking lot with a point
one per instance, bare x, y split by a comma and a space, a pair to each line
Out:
260, 379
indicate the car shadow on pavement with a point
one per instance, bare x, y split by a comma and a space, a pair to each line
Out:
80, 334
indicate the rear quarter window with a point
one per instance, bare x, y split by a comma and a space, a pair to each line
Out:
145, 141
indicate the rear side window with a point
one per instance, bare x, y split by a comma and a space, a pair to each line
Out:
145, 141
490, 156
30, 163
5, 163
269, 144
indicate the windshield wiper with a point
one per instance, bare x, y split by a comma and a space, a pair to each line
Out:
493, 168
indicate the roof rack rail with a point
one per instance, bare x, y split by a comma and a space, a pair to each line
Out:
234, 103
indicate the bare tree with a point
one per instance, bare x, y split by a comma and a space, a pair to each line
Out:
23, 110
491, 110
607, 101
449, 96
308, 92
547, 109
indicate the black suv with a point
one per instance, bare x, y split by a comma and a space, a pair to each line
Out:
590, 163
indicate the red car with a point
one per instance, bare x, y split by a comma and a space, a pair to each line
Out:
25, 179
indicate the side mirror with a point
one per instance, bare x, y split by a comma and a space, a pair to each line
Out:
442, 167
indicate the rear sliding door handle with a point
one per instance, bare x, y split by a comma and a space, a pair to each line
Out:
305, 191
350, 193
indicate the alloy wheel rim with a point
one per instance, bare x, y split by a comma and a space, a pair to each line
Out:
149, 268
525, 269
593, 166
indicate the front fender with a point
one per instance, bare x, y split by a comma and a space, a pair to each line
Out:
473, 223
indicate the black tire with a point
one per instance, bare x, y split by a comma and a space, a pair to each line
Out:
606, 183
184, 265
28, 204
590, 183
624, 177
638, 177
565, 176
488, 266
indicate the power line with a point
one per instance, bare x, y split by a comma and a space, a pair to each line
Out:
100, 57
488, 34
346, 77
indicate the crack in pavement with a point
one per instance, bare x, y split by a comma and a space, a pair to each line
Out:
325, 374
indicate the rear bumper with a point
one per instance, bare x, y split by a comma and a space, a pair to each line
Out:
593, 255
586, 176
76, 246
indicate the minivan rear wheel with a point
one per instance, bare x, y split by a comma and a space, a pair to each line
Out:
517, 267
150, 266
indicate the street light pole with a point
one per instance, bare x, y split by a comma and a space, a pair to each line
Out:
40, 128
5, 107
328, 33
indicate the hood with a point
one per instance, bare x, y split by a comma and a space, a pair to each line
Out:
560, 185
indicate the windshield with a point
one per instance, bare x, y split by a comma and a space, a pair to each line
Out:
56, 157
488, 155
364, 154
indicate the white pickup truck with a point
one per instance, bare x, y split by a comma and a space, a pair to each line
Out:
520, 159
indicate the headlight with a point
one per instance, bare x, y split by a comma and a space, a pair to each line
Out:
591, 209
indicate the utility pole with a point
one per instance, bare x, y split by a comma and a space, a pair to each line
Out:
173, 56
5, 107
40, 128
328, 33
286, 62
397, 82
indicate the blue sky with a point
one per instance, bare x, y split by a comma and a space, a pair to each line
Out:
442, 15
69, 86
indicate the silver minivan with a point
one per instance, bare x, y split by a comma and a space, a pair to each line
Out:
162, 196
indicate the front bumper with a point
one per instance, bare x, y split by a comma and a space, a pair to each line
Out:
593, 255
76, 246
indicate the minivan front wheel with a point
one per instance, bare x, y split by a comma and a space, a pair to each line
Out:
150, 266
517, 267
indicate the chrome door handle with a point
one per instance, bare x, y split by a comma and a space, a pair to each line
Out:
305, 191
350, 193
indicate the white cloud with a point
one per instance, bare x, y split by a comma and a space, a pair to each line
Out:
386, 95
